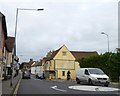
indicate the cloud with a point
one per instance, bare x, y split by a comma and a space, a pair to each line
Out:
77, 23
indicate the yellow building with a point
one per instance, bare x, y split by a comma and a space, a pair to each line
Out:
59, 62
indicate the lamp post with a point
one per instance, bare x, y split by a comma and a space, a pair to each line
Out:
17, 11
107, 39
17, 20
108, 51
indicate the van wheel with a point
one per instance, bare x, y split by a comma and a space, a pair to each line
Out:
78, 81
36, 76
106, 85
90, 82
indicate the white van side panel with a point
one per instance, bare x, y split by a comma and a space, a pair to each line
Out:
80, 73
82, 77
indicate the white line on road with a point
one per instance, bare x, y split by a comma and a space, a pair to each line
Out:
55, 88
93, 88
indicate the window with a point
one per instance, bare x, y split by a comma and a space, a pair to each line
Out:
86, 72
63, 73
64, 53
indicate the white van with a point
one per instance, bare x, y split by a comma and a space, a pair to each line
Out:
92, 76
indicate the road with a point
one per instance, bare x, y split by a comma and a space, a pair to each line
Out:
37, 86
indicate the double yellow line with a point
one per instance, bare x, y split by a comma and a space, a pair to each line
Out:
17, 87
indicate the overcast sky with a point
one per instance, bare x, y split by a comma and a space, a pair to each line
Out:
76, 23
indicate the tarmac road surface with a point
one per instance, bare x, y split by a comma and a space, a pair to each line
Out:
37, 86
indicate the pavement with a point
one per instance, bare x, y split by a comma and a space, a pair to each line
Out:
7, 89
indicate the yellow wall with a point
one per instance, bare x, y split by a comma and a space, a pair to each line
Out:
64, 64
51, 65
47, 65
72, 75
77, 65
59, 55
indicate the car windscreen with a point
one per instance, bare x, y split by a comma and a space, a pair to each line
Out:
96, 71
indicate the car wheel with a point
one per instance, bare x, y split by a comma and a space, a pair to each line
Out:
90, 82
106, 85
22, 77
78, 81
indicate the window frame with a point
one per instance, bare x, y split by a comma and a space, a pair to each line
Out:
64, 53
63, 73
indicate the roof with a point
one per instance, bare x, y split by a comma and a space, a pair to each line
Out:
81, 54
76, 54
10, 43
53, 54
118, 50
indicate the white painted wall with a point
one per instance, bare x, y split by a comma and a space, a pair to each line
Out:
37, 69
33, 70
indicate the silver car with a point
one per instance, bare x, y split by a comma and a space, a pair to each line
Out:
26, 74
40, 76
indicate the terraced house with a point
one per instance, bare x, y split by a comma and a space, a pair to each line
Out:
9, 53
7, 50
3, 37
59, 62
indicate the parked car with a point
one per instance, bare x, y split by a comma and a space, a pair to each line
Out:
40, 76
92, 76
26, 74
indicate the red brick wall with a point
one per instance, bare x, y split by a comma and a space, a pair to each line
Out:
2, 40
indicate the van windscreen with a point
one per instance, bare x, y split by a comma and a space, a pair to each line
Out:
96, 71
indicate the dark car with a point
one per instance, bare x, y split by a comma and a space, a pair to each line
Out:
40, 76
26, 74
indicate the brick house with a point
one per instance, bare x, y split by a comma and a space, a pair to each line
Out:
3, 37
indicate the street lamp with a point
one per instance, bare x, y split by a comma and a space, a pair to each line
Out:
17, 20
16, 34
107, 39
108, 51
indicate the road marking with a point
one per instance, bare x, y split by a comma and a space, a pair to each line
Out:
55, 88
93, 88
17, 87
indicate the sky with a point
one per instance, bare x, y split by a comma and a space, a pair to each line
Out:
75, 23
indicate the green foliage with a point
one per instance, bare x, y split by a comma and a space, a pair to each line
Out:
108, 62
